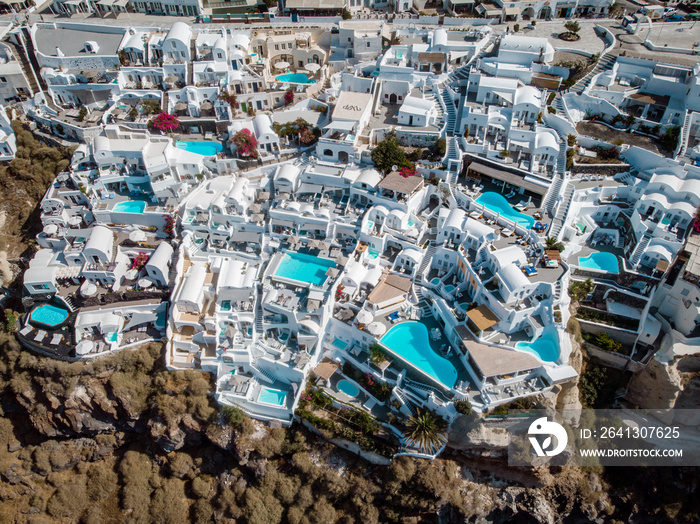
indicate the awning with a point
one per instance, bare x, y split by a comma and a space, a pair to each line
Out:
106, 3
341, 125
326, 368
483, 317
506, 176
309, 188
512, 11
505, 95
661, 265
121, 3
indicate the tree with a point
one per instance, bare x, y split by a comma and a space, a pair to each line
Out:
463, 406
426, 431
377, 354
553, 243
389, 153
346, 14
580, 290
230, 99
571, 140
572, 26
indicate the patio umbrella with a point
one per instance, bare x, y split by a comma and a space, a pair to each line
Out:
282, 65
312, 244
377, 329
51, 229
137, 236
265, 195
91, 74
332, 272
313, 67
144, 283
341, 260
131, 274
257, 217
324, 246
293, 239
206, 106
345, 314
75, 221
84, 347
88, 289
230, 332
283, 196
364, 317
171, 79
255, 208
180, 106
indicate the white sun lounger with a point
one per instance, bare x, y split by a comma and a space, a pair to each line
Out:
25, 330
40, 335
56, 339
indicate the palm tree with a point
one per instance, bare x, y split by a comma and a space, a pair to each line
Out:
426, 431
552, 243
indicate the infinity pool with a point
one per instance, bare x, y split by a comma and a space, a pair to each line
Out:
601, 262
131, 206
275, 397
304, 268
350, 389
409, 341
295, 78
546, 348
48, 315
498, 204
201, 148
340, 344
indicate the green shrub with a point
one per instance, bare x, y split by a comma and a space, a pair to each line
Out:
603, 340
463, 406
551, 110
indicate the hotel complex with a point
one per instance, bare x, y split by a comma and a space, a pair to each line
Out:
261, 242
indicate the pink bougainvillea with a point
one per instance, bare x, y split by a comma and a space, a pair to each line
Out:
139, 261
408, 171
165, 122
288, 97
246, 144
169, 228
307, 136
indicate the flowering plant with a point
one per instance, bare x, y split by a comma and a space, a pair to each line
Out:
408, 171
339, 292
288, 97
368, 379
307, 136
165, 122
230, 99
139, 261
169, 228
246, 144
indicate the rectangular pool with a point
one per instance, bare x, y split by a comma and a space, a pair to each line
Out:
340, 344
304, 268
201, 148
131, 206
275, 397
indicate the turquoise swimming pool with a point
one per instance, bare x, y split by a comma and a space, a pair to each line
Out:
498, 204
201, 148
295, 78
131, 206
111, 337
340, 344
48, 315
409, 341
464, 306
350, 389
304, 268
546, 348
449, 288
601, 262
271, 396
435, 281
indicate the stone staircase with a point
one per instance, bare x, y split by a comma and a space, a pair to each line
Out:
259, 310
453, 154
684, 135
21, 57
426, 262
330, 234
562, 210
557, 290
263, 373
405, 401
458, 119
604, 63
639, 250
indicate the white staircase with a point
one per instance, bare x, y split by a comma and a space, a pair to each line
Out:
562, 210
552, 194
264, 374
426, 262
639, 250
684, 135
561, 161
451, 113
604, 63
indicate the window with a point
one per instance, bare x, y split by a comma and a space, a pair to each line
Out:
327, 152
277, 47
172, 44
3, 79
368, 44
219, 56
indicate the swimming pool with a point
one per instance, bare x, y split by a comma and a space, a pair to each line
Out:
546, 348
111, 337
350, 389
498, 204
48, 315
340, 344
409, 341
370, 225
464, 306
131, 206
435, 281
449, 288
295, 78
201, 148
304, 268
372, 254
600, 261
271, 396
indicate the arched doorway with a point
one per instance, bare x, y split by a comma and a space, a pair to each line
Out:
545, 13
392, 98
343, 157
528, 13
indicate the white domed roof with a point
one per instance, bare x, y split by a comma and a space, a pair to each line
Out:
439, 37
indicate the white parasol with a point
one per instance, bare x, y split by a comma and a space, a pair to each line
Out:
131, 274
88, 289
144, 283
377, 329
51, 229
364, 317
137, 236
84, 347
282, 65
313, 67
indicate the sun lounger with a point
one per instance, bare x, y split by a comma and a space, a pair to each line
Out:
56, 339
507, 232
26, 330
40, 335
